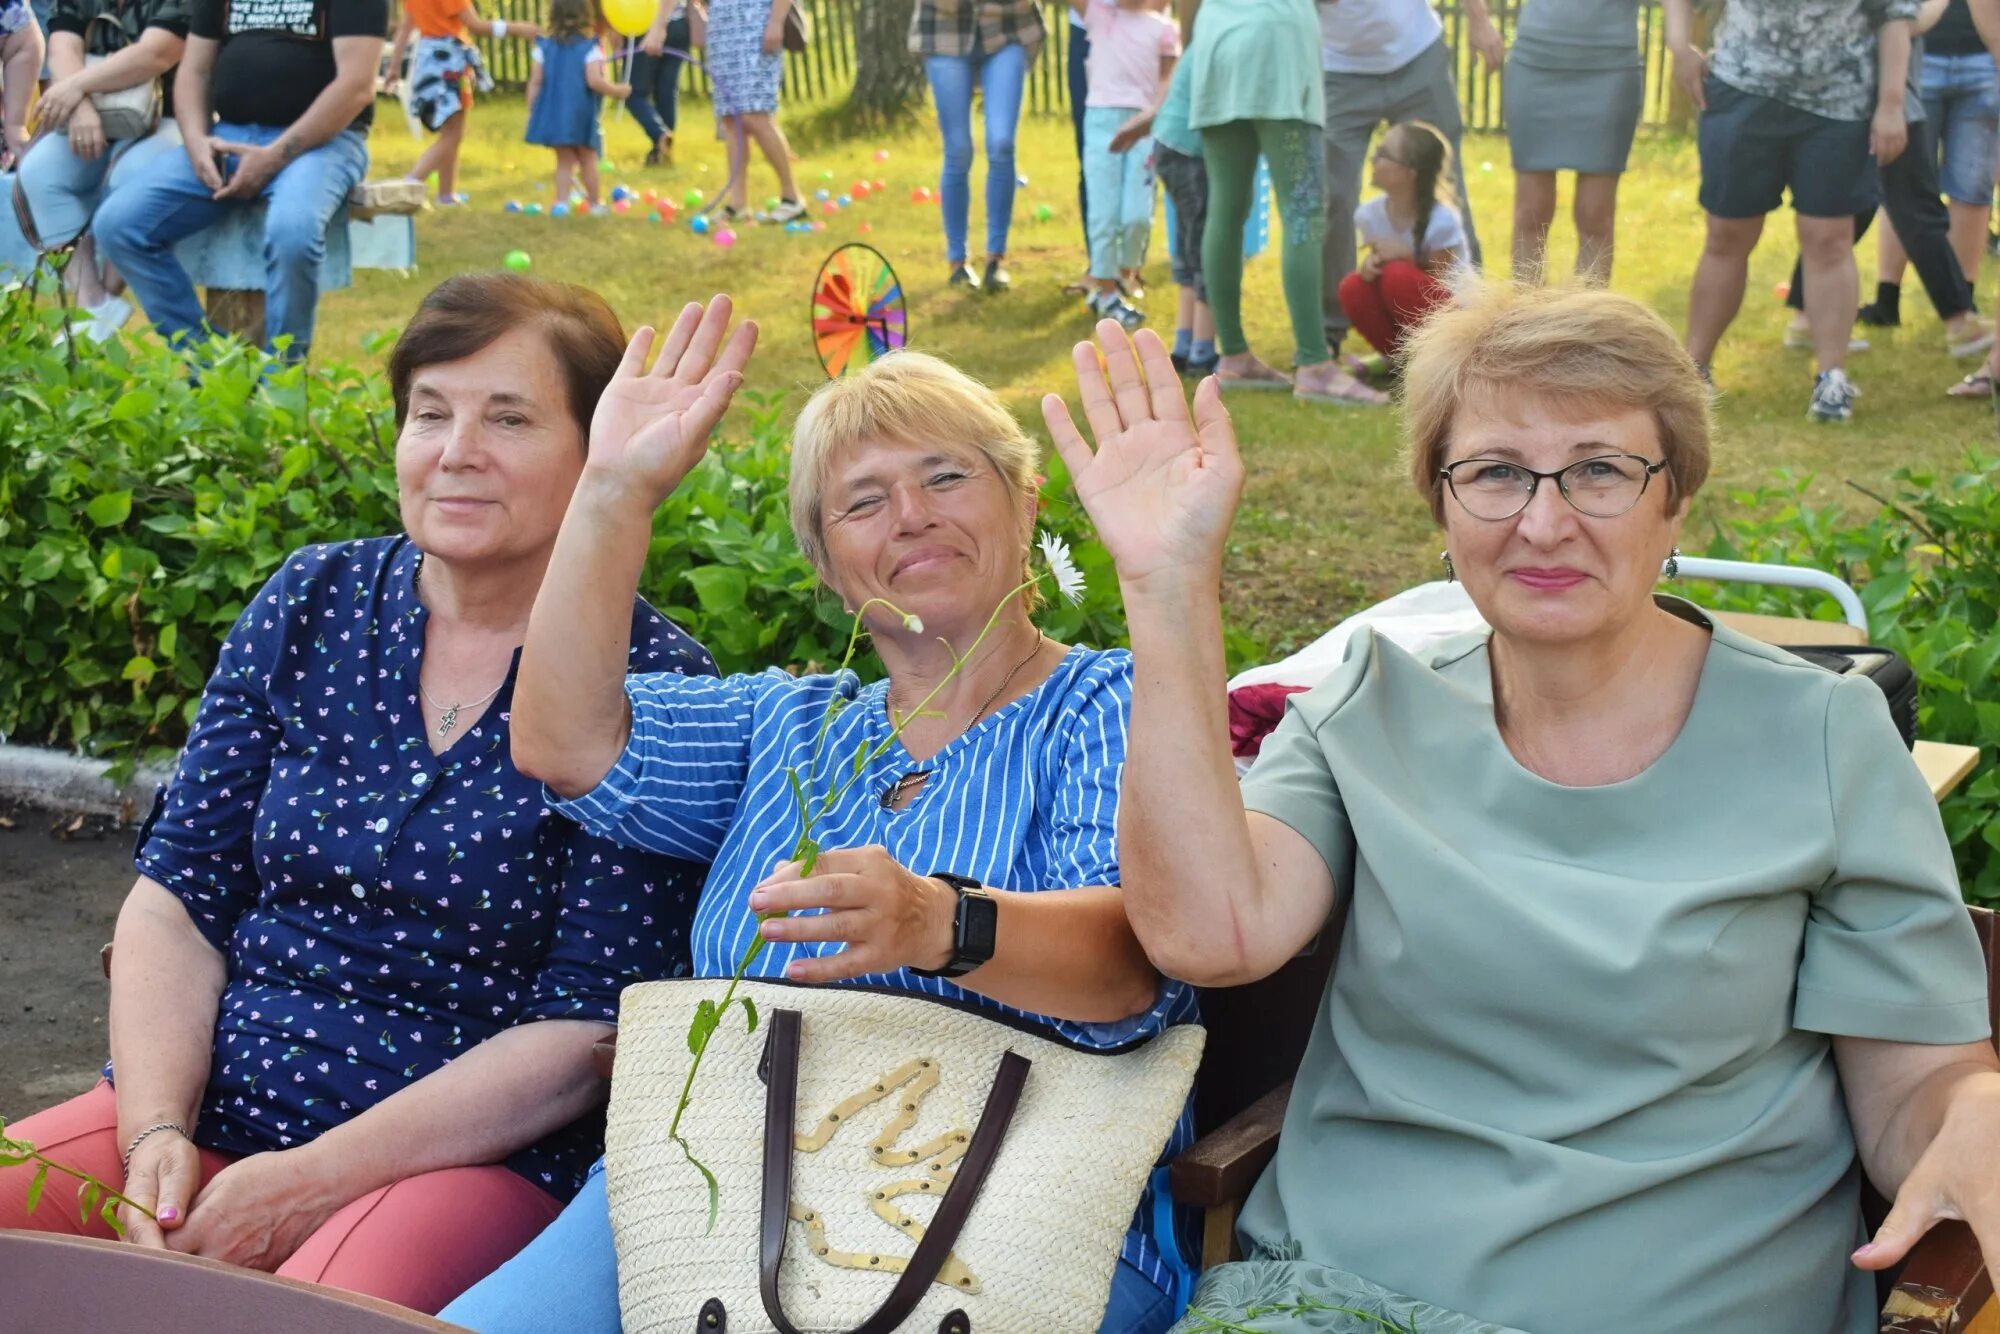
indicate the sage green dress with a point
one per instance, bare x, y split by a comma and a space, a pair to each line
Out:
1572, 1073
1255, 60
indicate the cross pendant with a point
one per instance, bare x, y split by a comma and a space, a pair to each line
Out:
449, 721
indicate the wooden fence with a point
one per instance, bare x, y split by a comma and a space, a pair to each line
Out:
826, 68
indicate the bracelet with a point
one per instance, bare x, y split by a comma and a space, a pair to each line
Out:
152, 1129
499, 27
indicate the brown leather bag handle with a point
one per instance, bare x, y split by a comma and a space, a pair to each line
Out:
781, 1060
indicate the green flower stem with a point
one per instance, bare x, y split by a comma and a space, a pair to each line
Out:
806, 851
97, 1197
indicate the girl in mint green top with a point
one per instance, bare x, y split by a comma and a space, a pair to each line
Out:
1652, 942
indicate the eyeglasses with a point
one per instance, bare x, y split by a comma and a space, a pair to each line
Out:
1603, 487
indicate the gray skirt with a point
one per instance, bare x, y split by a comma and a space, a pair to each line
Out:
1571, 119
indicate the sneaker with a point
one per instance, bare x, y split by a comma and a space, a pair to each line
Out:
963, 276
788, 210
1201, 367
1832, 397
1180, 362
1112, 306
1877, 316
997, 279
107, 317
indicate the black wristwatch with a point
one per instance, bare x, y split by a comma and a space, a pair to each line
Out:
975, 927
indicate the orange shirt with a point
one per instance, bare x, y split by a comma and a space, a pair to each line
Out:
438, 18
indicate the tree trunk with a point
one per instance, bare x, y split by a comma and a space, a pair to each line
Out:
888, 79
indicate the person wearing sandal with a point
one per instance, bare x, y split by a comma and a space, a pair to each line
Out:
1254, 90
1979, 384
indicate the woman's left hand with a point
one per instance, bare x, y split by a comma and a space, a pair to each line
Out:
258, 1210
889, 917
1956, 1177
59, 102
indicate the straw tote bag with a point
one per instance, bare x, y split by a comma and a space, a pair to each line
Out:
887, 1161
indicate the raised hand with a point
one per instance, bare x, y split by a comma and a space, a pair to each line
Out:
1161, 484
652, 427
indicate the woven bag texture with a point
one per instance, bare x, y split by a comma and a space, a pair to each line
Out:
1042, 1240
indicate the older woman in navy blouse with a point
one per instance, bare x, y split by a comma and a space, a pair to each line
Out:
911, 483
356, 986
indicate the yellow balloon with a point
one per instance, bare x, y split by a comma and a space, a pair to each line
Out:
631, 17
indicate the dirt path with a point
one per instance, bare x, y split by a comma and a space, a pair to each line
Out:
59, 894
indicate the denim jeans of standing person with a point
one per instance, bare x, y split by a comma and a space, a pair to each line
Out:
567, 1279
656, 85
1001, 78
60, 192
137, 226
1079, 93
1962, 103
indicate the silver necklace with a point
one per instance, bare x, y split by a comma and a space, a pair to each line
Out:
893, 794
451, 711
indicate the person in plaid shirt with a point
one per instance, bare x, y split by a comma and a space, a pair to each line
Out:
991, 43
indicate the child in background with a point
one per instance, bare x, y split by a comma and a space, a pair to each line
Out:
1133, 48
563, 88
443, 73
1177, 160
1412, 233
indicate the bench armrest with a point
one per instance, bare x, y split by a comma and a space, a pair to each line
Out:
1221, 1166
1943, 1285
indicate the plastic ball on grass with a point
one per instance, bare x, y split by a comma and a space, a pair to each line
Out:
692, 198
606, 164
513, 206
700, 224
881, 155
725, 238
844, 200
583, 206
533, 210
517, 261
654, 216
772, 203
861, 189
867, 227
829, 207
559, 211
1043, 213
879, 185
822, 195
826, 175
1781, 290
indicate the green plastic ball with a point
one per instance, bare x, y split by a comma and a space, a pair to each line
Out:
517, 261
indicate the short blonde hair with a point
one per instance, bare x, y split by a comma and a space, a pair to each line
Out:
912, 398
1577, 345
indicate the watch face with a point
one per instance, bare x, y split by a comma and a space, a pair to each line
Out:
978, 926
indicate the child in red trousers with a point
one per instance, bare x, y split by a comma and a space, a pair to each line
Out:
1412, 235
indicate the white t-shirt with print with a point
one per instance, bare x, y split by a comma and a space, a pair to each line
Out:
1375, 36
1446, 230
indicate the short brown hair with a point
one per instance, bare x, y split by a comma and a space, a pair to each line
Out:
465, 314
1577, 345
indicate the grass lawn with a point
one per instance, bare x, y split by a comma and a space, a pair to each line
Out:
1329, 521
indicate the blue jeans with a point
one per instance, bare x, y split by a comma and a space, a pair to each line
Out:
656, 85
137, 226
1120, 221
1962, 103
62, 192
567, 1279
1002, 77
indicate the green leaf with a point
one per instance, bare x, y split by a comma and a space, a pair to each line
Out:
109, 1213
714, 1189
170, 638
702, 1026
139, 668
87, 1201
41, 562
35, 1186
134, 404
110, 509
720, 589
750, 1010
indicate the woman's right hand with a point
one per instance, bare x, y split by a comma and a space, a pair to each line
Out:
1161, 485
651, 427
165, 1176
86, 133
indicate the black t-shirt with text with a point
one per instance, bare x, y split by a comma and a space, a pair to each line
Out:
277, 55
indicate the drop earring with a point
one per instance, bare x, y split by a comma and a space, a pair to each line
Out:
1672, 569
1450, 574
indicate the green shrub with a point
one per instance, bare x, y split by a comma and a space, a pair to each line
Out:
1926, 564
140, 511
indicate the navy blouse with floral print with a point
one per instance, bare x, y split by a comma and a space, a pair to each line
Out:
383, 909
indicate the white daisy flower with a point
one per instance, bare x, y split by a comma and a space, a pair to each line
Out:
1069, 579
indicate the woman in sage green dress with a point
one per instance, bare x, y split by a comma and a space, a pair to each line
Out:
1652, 943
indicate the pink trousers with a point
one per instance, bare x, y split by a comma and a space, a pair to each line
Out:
418, 1242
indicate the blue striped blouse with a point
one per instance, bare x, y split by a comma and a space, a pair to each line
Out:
1027, 800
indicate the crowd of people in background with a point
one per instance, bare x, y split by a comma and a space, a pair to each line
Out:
1851, 111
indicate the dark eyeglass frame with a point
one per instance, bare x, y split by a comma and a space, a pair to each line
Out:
1559, 477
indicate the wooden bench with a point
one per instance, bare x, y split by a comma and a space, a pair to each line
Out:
374, 230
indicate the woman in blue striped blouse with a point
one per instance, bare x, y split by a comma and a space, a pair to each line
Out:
910, 483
